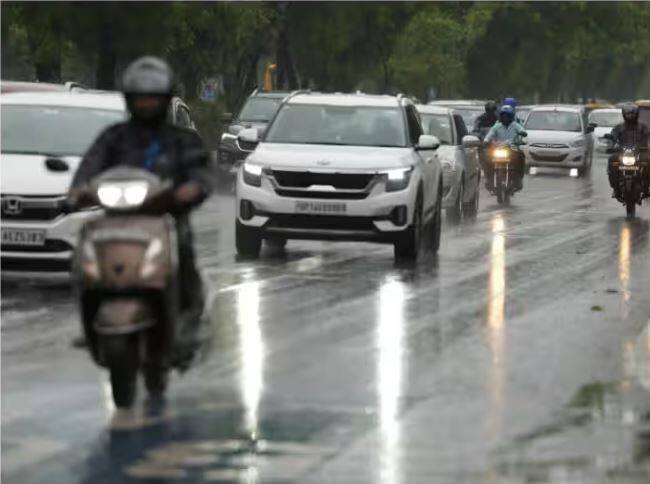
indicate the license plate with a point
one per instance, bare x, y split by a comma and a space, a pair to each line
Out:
23, 237
329, 208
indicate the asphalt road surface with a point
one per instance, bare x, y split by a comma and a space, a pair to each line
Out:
521, 353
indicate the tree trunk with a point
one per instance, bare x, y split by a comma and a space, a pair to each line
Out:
107, 61
286, 75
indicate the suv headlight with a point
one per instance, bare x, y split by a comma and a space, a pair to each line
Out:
398, 179
579, 143
253, 174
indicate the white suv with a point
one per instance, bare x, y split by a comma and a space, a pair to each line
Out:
341, 167
44, 136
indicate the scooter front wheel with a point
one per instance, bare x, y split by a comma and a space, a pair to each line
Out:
121, 355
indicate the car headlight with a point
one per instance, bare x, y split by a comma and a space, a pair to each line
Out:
398, 179
122, 194
253, 174
579, 143
628, 160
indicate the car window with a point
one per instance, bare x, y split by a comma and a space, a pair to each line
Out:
461, 129
438, 125
606, 119
259, 109
62, 131
469, 115
415, 129
338, 125
553, 121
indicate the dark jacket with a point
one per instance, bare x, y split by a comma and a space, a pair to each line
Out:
631, 135
180, 154
483, 123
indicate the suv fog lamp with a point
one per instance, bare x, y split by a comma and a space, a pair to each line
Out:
399, 215
246, 209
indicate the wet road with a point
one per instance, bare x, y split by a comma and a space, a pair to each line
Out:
521, 353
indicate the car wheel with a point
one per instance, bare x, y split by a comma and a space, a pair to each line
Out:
455, 213
247, 240
471, 208
407, 246
276, 242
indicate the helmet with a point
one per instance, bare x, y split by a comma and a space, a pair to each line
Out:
491, 107
510, 101
148, 85
148, 75
630, 112
507, 113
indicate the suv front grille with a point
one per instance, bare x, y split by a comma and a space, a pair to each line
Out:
342, 181
320, 222
31, 208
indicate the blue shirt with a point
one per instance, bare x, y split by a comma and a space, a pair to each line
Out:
507, 135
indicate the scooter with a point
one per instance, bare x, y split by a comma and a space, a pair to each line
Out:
631, 190
126, 273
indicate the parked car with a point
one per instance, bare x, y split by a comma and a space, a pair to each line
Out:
559, 137
257, 112
644, 111
605, 120
37, 233
458, 155
37, 171
20, 86
468, 109
524, 111
340, 167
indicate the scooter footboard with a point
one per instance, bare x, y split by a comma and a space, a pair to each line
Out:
123, 316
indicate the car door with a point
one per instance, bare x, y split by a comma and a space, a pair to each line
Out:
427, 159
469, 157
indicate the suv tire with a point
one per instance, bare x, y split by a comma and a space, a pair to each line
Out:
247, 240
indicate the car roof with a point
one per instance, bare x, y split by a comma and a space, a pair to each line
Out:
339, 99
106, 100
564, 108
457, 102
271, 94
429, 109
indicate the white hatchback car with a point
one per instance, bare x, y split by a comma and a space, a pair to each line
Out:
559, 137
458, 154
341, 167
605, 119
44, 136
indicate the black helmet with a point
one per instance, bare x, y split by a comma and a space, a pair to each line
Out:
148, 75
630, 112
491, 107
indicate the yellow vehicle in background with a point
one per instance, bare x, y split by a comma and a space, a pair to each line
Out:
644, 111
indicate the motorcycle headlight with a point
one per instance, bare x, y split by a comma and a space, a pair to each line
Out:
628, 160
500, 153
398, 179
253, 174
122, 194
579, 143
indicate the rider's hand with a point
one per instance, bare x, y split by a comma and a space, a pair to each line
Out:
188, 193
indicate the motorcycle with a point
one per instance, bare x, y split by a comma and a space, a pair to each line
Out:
126, 274
631, 190
502, 157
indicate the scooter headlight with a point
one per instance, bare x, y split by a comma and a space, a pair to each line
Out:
122, 194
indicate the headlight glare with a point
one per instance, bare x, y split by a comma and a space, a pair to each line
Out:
397, 179
122, 194
628, 160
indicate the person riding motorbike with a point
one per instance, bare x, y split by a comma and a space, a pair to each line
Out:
148, 141
482, 126
629, 133
507, 131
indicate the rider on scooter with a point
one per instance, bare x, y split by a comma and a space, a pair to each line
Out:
507, 131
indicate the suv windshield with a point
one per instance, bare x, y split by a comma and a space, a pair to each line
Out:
260, 109
438, 125
338, 125
553, 121
53, 130
606, 119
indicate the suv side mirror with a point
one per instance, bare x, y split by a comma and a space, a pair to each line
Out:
470, 141
248, 139
427, 142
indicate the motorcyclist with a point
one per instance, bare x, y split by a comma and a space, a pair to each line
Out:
507, 132
148, 141
629, 133
512, 101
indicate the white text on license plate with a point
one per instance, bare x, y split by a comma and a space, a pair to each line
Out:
23, 237
321, 207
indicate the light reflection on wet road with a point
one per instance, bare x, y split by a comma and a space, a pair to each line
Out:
521, 353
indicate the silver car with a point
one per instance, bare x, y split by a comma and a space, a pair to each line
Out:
458, 154
559, 137
605, 119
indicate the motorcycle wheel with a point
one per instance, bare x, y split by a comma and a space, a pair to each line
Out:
630, 203
499, 187
121, 354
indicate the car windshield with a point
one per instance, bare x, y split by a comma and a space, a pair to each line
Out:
553, 121
53, 130
469, 115
438, 125
338, 125
260, 109
606, 119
